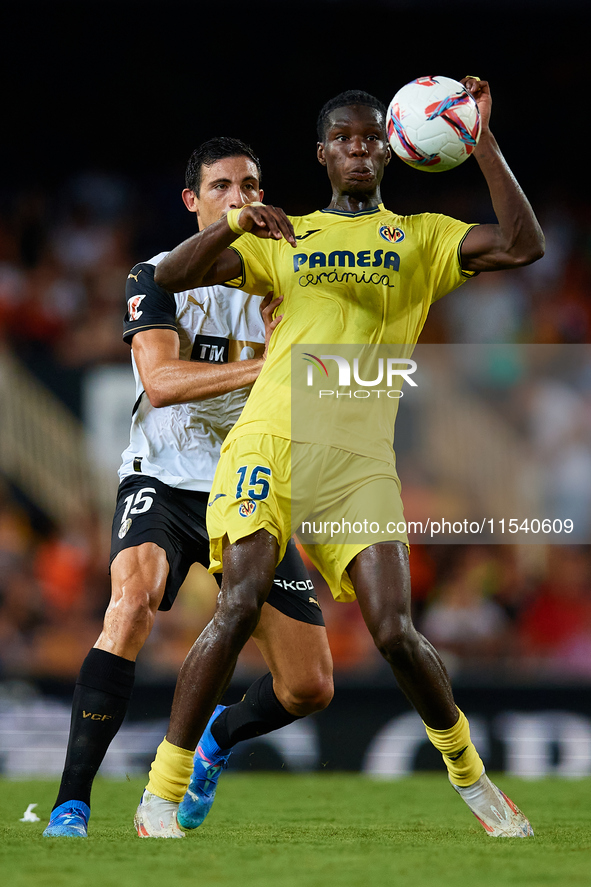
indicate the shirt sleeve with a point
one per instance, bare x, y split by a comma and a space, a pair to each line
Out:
443, 242
257, 262
149, 306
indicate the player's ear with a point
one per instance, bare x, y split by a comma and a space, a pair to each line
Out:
261, 195
388, 155
320, 153
190, 200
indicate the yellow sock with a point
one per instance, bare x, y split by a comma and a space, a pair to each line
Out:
459, 753
171, 772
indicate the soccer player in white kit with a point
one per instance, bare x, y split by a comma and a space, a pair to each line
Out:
195, 355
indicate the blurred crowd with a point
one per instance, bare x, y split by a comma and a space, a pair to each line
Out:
520, 613
509, 613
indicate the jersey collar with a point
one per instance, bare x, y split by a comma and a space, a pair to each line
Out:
363, 212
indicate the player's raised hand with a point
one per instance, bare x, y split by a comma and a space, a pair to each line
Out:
480, 90
266, 222
268, 306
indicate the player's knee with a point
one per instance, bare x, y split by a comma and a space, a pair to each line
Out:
136, 605
142, 599
396, 639
315, 696
308, 696
239, 608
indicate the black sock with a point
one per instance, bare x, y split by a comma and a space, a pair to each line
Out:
259, 712
101, 698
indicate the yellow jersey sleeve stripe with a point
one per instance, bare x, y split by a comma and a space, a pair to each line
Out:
463, 271
238, 282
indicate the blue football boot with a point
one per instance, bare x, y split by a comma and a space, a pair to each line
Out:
69, 820
208, 763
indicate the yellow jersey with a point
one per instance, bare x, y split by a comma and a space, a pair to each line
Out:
354, 279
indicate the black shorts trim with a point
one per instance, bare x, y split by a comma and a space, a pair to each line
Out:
148, 510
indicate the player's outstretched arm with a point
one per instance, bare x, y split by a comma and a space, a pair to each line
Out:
205, 259
517, 239
168, 380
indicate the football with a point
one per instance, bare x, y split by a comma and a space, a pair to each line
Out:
433, 123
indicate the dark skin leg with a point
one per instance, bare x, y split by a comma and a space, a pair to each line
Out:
381, 577
249, 569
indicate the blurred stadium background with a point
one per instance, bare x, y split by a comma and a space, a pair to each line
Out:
103, 103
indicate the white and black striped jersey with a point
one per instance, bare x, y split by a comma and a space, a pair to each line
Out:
180, 444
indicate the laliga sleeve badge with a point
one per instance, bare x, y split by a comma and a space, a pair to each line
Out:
246, 508
124, 528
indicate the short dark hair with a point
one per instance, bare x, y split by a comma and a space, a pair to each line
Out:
213, 150
342, 100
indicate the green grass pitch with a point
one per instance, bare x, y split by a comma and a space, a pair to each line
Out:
323, 830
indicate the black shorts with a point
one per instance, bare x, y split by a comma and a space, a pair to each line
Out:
148, 510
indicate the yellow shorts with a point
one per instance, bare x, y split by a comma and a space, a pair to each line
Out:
339, 503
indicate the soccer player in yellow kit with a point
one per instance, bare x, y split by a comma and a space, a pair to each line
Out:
351, 274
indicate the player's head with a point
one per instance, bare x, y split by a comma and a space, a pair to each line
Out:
222, 174
349, 97
352, 141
